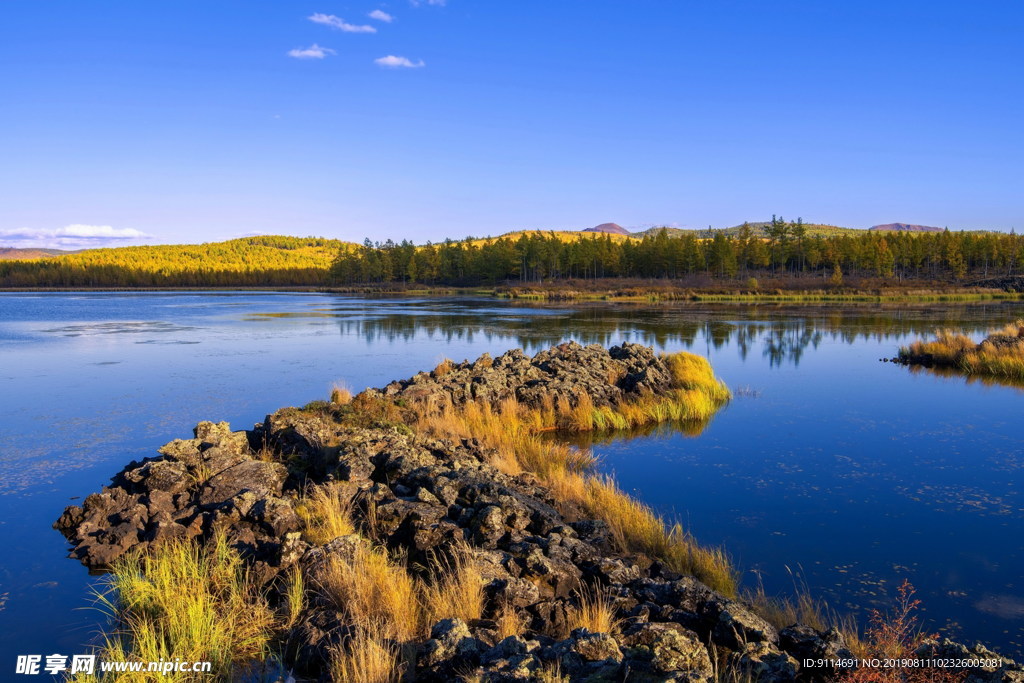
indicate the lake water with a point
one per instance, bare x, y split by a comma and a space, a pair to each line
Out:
850, 473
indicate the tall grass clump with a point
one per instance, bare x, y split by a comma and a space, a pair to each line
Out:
999, 355
368, 656
341, 395
189, 602
594, 611
327, 513
370, 587
454, 589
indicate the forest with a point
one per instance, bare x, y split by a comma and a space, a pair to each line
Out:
780, 249
783, 248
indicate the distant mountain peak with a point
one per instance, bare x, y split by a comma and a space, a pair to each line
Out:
906, 227
613, 228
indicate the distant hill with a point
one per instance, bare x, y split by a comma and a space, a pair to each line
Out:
757, 229
613, 228
906, 227
13, 253
249, 261
562, 235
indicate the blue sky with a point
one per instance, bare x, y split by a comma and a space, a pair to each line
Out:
193, 121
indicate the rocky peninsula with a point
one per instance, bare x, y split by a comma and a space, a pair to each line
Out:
432, 530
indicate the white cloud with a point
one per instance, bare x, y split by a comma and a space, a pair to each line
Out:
340, 24
435, 3
314, 51
74, 236
381, 15
393, 62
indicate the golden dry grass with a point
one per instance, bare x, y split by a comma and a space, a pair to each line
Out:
370, 587
551, 672
510, 621
327, 513
1001, 354
455, 589
340, 394
188, 602
370, 656
294, 597
594, 611
443, 368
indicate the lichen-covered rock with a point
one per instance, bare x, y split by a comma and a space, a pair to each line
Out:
763, 661
804, 642
658, 650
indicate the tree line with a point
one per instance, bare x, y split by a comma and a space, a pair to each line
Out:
783, 248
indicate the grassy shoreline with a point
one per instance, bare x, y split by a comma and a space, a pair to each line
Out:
631, 294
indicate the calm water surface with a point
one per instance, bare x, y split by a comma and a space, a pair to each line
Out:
849, 473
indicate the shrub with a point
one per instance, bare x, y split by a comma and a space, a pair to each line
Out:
896, 636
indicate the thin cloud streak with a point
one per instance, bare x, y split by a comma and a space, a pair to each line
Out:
340, 24
395, 62
381, 15
314, 51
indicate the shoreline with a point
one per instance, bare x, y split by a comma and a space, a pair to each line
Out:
625, 294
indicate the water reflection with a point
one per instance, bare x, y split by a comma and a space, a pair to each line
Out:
782, 334
984, 380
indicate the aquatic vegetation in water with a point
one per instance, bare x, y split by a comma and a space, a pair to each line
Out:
999, 355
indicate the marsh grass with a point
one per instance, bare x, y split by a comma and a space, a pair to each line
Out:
802, 608
513, 434
999, 355
782, 611
189, 602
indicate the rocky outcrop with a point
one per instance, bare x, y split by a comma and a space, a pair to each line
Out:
565, 371
427, 497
